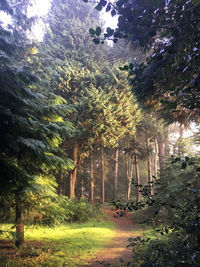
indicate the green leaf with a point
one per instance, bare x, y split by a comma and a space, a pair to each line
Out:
125, 67
98, 31
131, 66
98, 7
108, 8
184, 165
109, 32
113, 13
96, 40
103, 3
92, 31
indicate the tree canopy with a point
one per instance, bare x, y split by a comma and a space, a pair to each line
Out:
169, 30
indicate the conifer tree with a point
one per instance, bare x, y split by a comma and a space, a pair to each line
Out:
29, 133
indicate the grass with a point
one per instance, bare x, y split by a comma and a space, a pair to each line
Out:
66, 245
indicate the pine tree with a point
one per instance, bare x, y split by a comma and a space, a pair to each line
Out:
30, 136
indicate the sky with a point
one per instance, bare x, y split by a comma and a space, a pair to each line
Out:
41, 7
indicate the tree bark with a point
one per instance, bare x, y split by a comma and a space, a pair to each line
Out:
156, 159
73, 175
129, 179
102, 176
137, 173
137, 177
149, 168
19, 223
161, 153
181, 130
116, 172
92, 178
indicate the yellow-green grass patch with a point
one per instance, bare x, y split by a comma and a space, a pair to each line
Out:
65, 245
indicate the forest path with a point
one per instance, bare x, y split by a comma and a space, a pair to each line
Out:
116, 253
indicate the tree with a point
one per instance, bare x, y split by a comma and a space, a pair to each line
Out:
74, 69
29, 133
170, 77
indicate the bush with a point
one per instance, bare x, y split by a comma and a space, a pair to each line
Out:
178, 242
54, 211
63, 210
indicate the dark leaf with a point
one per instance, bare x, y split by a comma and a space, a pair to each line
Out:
96, 40
108, 8
113, 13
92, 31
98, 7
98, 31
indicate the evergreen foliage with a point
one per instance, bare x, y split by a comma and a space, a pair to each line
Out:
30, 134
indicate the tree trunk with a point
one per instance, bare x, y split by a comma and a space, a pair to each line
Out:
150, 178
116, 172
137, 177
73, 175
92, 178
129, 179
161, 153
156, 159
180, 148
102, 176
137, 173
19, 223
181, 130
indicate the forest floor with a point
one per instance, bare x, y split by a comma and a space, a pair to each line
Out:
96, 244
116, 253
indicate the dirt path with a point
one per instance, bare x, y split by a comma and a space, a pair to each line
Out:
116, 253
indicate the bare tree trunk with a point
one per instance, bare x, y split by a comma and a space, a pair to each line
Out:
92, 178
156, 159
102, 176
161, 153
180, 148
150, 178
73, 175
116, 172
137, 176
137, 173
181, 130
19, 222
129, 178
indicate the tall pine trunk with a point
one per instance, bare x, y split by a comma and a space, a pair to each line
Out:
156, 159
19, 222
102, 176
129, 179
161, 154
180, 149
116, 172
92, 178
181, 130
73, 175
137, 173
149, 168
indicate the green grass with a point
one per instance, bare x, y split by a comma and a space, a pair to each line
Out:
66, 245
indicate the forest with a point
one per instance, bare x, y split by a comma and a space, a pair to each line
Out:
100, 135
